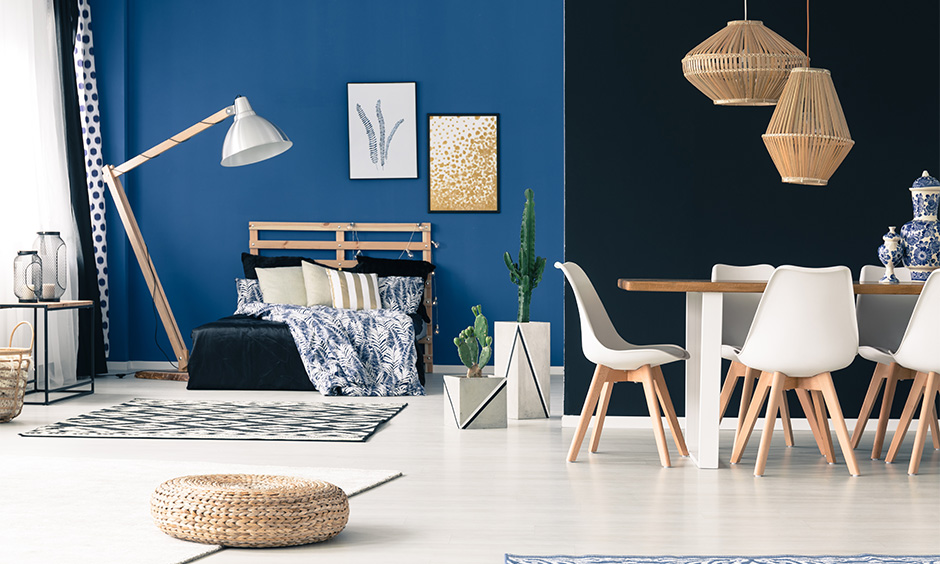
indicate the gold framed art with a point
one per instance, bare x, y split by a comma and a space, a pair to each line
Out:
463, 163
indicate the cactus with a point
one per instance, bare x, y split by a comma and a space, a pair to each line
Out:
527, 273
474, 346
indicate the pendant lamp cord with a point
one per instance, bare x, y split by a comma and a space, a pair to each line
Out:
807, 33
745, 10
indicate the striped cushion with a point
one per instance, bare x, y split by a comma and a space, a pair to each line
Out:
354, 291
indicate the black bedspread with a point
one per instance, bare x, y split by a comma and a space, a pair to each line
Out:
241, 352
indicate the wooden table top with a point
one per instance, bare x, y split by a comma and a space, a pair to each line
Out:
690, 285
63, 304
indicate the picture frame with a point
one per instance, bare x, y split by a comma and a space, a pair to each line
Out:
463, 163
383, 138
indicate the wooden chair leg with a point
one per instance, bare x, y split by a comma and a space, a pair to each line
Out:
807, 404
731, 379
785, 419
874, 386
931, 387
666, 401
753, 410
601, 415
842, 432
891, 382
935, 429
917, 390
823, 422
770, 419
589, 403
747, 393
653, 404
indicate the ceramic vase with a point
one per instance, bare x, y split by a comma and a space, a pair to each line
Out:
921, 235
475, 403
889, 253
522, 353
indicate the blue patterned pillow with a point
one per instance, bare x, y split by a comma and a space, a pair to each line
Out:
401, 293
248, 291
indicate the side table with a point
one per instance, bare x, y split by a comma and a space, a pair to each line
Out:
42, 345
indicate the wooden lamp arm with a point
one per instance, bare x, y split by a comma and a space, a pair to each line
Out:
111, 174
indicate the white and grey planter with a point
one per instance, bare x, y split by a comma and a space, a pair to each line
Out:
475, 403
522, 353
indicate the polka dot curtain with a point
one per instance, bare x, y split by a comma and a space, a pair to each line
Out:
88, 105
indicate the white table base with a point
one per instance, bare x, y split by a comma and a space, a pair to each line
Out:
703, 376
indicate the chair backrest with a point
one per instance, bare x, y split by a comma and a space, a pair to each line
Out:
597, 331
882, 319
737, 310
805, 323
920, 347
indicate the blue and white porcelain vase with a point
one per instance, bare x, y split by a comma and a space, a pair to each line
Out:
889, 253
921, 235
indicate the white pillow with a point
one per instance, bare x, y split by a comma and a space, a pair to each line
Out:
317, 284
282, 285
354, 291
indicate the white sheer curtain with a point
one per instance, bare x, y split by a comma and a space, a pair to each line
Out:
34, 188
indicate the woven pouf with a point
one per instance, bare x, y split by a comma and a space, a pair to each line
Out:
249, 510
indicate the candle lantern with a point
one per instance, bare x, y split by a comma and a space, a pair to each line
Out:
52, 253
27, 276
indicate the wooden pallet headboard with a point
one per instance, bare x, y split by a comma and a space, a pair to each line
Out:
340, 250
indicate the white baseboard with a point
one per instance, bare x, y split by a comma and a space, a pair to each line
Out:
461, 369
138, 365
728, 423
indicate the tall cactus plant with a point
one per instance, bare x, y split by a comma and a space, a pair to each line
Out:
527, 273
474, 346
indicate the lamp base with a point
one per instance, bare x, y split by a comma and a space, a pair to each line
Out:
156, 375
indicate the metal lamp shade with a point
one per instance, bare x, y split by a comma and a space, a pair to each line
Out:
807, 137
744, 64
251, 138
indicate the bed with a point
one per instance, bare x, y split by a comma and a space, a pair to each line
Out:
266, 346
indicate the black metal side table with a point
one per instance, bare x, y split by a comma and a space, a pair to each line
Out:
70, 390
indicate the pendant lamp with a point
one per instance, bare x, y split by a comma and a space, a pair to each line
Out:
744, 64
807, 136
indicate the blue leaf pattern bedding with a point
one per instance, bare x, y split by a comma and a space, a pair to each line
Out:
350, 352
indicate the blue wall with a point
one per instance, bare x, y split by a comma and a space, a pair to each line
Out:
163, 65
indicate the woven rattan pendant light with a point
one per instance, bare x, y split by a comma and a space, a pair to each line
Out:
744, 64
807, 136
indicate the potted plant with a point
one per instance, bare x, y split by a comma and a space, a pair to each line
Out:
475, 401
523, 347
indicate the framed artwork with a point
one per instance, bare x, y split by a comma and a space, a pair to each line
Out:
463, 162
383, 139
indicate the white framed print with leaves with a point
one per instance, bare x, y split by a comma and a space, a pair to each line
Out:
383, 139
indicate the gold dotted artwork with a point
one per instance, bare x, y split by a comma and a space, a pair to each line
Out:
463, 163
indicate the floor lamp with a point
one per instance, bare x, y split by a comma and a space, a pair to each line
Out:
250, 139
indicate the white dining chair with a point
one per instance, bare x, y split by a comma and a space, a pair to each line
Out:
882, 321
617, 360
920, 351
804, 329
737, 312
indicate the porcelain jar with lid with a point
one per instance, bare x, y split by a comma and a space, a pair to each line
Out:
921, 235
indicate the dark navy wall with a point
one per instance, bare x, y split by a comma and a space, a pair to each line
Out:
163, 65
675, 184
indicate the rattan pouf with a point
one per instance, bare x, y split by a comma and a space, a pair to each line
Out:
249, 510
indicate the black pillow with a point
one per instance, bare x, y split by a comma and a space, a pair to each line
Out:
250, 262
393, 267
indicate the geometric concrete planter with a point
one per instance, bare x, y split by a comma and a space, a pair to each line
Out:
475, 403
522, 353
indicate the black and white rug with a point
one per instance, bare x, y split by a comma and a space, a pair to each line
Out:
856, 559
254, 420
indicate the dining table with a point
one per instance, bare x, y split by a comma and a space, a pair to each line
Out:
703, 318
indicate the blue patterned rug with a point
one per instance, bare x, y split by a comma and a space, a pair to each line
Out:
858, 559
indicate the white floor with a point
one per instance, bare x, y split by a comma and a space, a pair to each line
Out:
472, 496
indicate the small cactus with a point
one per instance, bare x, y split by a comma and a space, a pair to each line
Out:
474, 346
527, 273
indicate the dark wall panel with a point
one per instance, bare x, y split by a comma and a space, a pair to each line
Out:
662, 183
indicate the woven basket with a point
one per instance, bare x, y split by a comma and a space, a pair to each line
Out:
14, 373
249, 510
